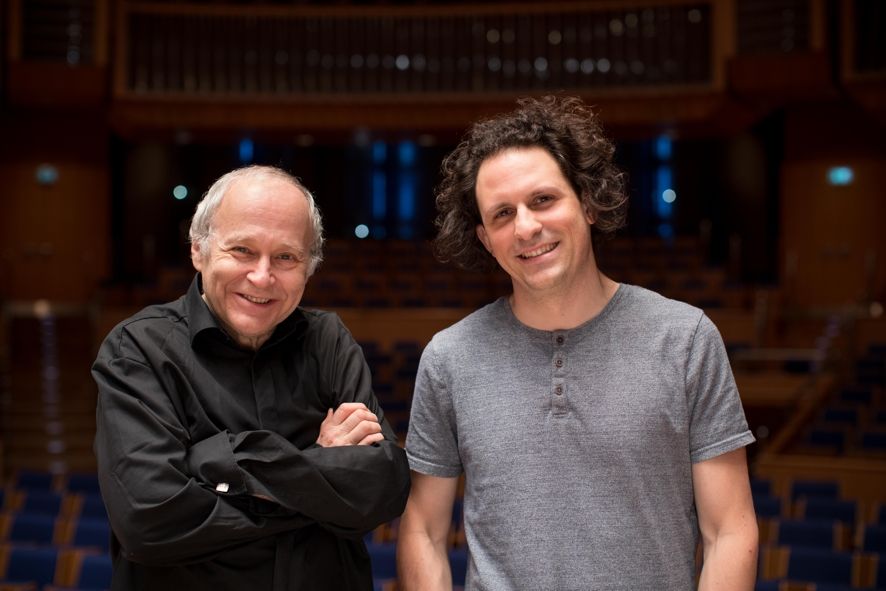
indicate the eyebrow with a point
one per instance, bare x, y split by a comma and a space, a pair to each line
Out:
543, 190
235, 238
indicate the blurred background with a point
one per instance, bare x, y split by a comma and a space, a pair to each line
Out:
751, 133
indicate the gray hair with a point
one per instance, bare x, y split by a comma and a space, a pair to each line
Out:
201, 223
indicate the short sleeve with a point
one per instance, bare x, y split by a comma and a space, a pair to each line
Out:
432, 440
718, 423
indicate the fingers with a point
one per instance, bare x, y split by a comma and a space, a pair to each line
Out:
373, 438
358, 416
346, 409
363, 430
352, 423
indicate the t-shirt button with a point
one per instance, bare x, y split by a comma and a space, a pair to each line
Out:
560, 340
558, 390
559, 363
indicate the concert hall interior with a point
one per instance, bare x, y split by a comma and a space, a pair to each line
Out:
751, 133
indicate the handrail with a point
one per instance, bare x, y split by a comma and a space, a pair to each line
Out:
232, 51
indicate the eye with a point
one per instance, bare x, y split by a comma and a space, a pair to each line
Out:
240, 250
501, 213
288, 260
542, 199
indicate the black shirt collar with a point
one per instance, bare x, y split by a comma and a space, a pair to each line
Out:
201, 320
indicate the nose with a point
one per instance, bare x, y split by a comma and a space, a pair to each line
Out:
260, 275
525, 224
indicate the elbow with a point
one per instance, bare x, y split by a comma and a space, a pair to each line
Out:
142, 548
741, 542
159, 534
400, 486
754, 535
154, 545
749, 533
391, 490
145, 552
369, 516
752, 543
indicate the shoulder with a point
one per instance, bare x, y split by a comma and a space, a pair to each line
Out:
152, 321
322, 331
152, 324
648, 306
321, 323
473, 328
650, 317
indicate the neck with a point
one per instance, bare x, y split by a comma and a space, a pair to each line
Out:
246, 342
567, 308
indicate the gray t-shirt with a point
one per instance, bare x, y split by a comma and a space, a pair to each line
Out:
577, 445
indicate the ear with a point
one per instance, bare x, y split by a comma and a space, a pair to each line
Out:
484, 238
196, 256
589, 215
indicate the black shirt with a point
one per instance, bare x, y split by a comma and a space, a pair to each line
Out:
208, 461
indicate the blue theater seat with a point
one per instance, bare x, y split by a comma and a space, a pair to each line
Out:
828, 509
818, 566
814, 488
83, 483
37, 565
32, 529
93, 533
95, 572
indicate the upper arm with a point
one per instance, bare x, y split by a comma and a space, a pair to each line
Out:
723, 495
429, 508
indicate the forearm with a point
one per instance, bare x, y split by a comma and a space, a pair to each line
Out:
422, 563
422, 557
730, 561
176, 521
349, 489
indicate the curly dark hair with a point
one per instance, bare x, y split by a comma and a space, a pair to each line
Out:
565, 127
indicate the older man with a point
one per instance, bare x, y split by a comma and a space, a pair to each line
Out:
239, 443
597, 424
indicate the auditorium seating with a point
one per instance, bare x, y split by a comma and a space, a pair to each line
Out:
54, 532
820, 538
88, 571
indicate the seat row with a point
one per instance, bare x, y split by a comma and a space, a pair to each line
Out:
56, 504
783, 568
86, 483
48, 568
47, 530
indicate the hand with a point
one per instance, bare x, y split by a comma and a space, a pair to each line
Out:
351, 424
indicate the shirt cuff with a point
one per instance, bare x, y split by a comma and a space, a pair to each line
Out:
212, 463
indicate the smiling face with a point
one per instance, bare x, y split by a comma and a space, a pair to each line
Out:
255, 262
533, 223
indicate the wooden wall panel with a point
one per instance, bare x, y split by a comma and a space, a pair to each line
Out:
834, 237
54, 238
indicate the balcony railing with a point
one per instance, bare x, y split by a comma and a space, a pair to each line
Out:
231, 51
647, 60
